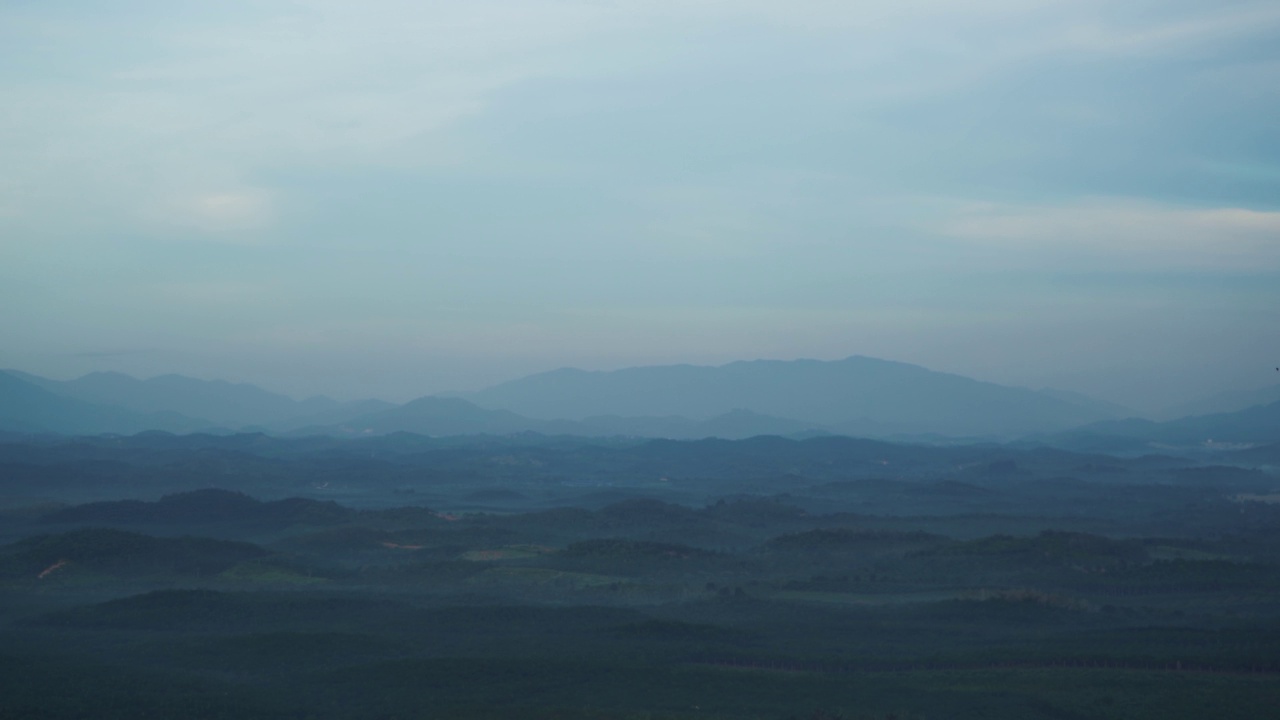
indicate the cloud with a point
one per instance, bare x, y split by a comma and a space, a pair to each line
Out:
1213, 23
184, 121
1120, 234
231, 208
493, 165
237, 215
244, 92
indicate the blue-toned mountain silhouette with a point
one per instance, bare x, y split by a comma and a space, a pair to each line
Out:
114, 402
857, 395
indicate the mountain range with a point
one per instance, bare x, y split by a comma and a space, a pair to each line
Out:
28, 407
106, 402
455, 416
857, 396
1257, 425
1223, 402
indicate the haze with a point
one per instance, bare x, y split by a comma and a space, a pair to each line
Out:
394, 198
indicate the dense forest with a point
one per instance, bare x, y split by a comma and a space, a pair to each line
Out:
550, 577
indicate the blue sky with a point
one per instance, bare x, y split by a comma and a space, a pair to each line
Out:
397, 198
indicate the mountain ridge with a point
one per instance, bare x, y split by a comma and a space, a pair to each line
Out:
28, 407
857, 391
211, 403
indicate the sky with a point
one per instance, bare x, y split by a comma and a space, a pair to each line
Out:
392, 199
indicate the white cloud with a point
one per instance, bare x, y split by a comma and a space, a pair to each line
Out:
1215, 23
222, 214
198, 105
320, 81
1120, 234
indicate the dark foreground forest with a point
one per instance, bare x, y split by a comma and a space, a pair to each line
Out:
540, 577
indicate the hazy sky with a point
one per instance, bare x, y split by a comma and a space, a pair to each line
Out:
397, 198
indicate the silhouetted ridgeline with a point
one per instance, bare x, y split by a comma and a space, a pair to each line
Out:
858, 395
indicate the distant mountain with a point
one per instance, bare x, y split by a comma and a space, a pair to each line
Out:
858, 396
854, 395
231, 405
740, 424
27, 407
1075, 398
339, 413
126, 405
1257, 425
1225, 402
736, 424
441, 416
